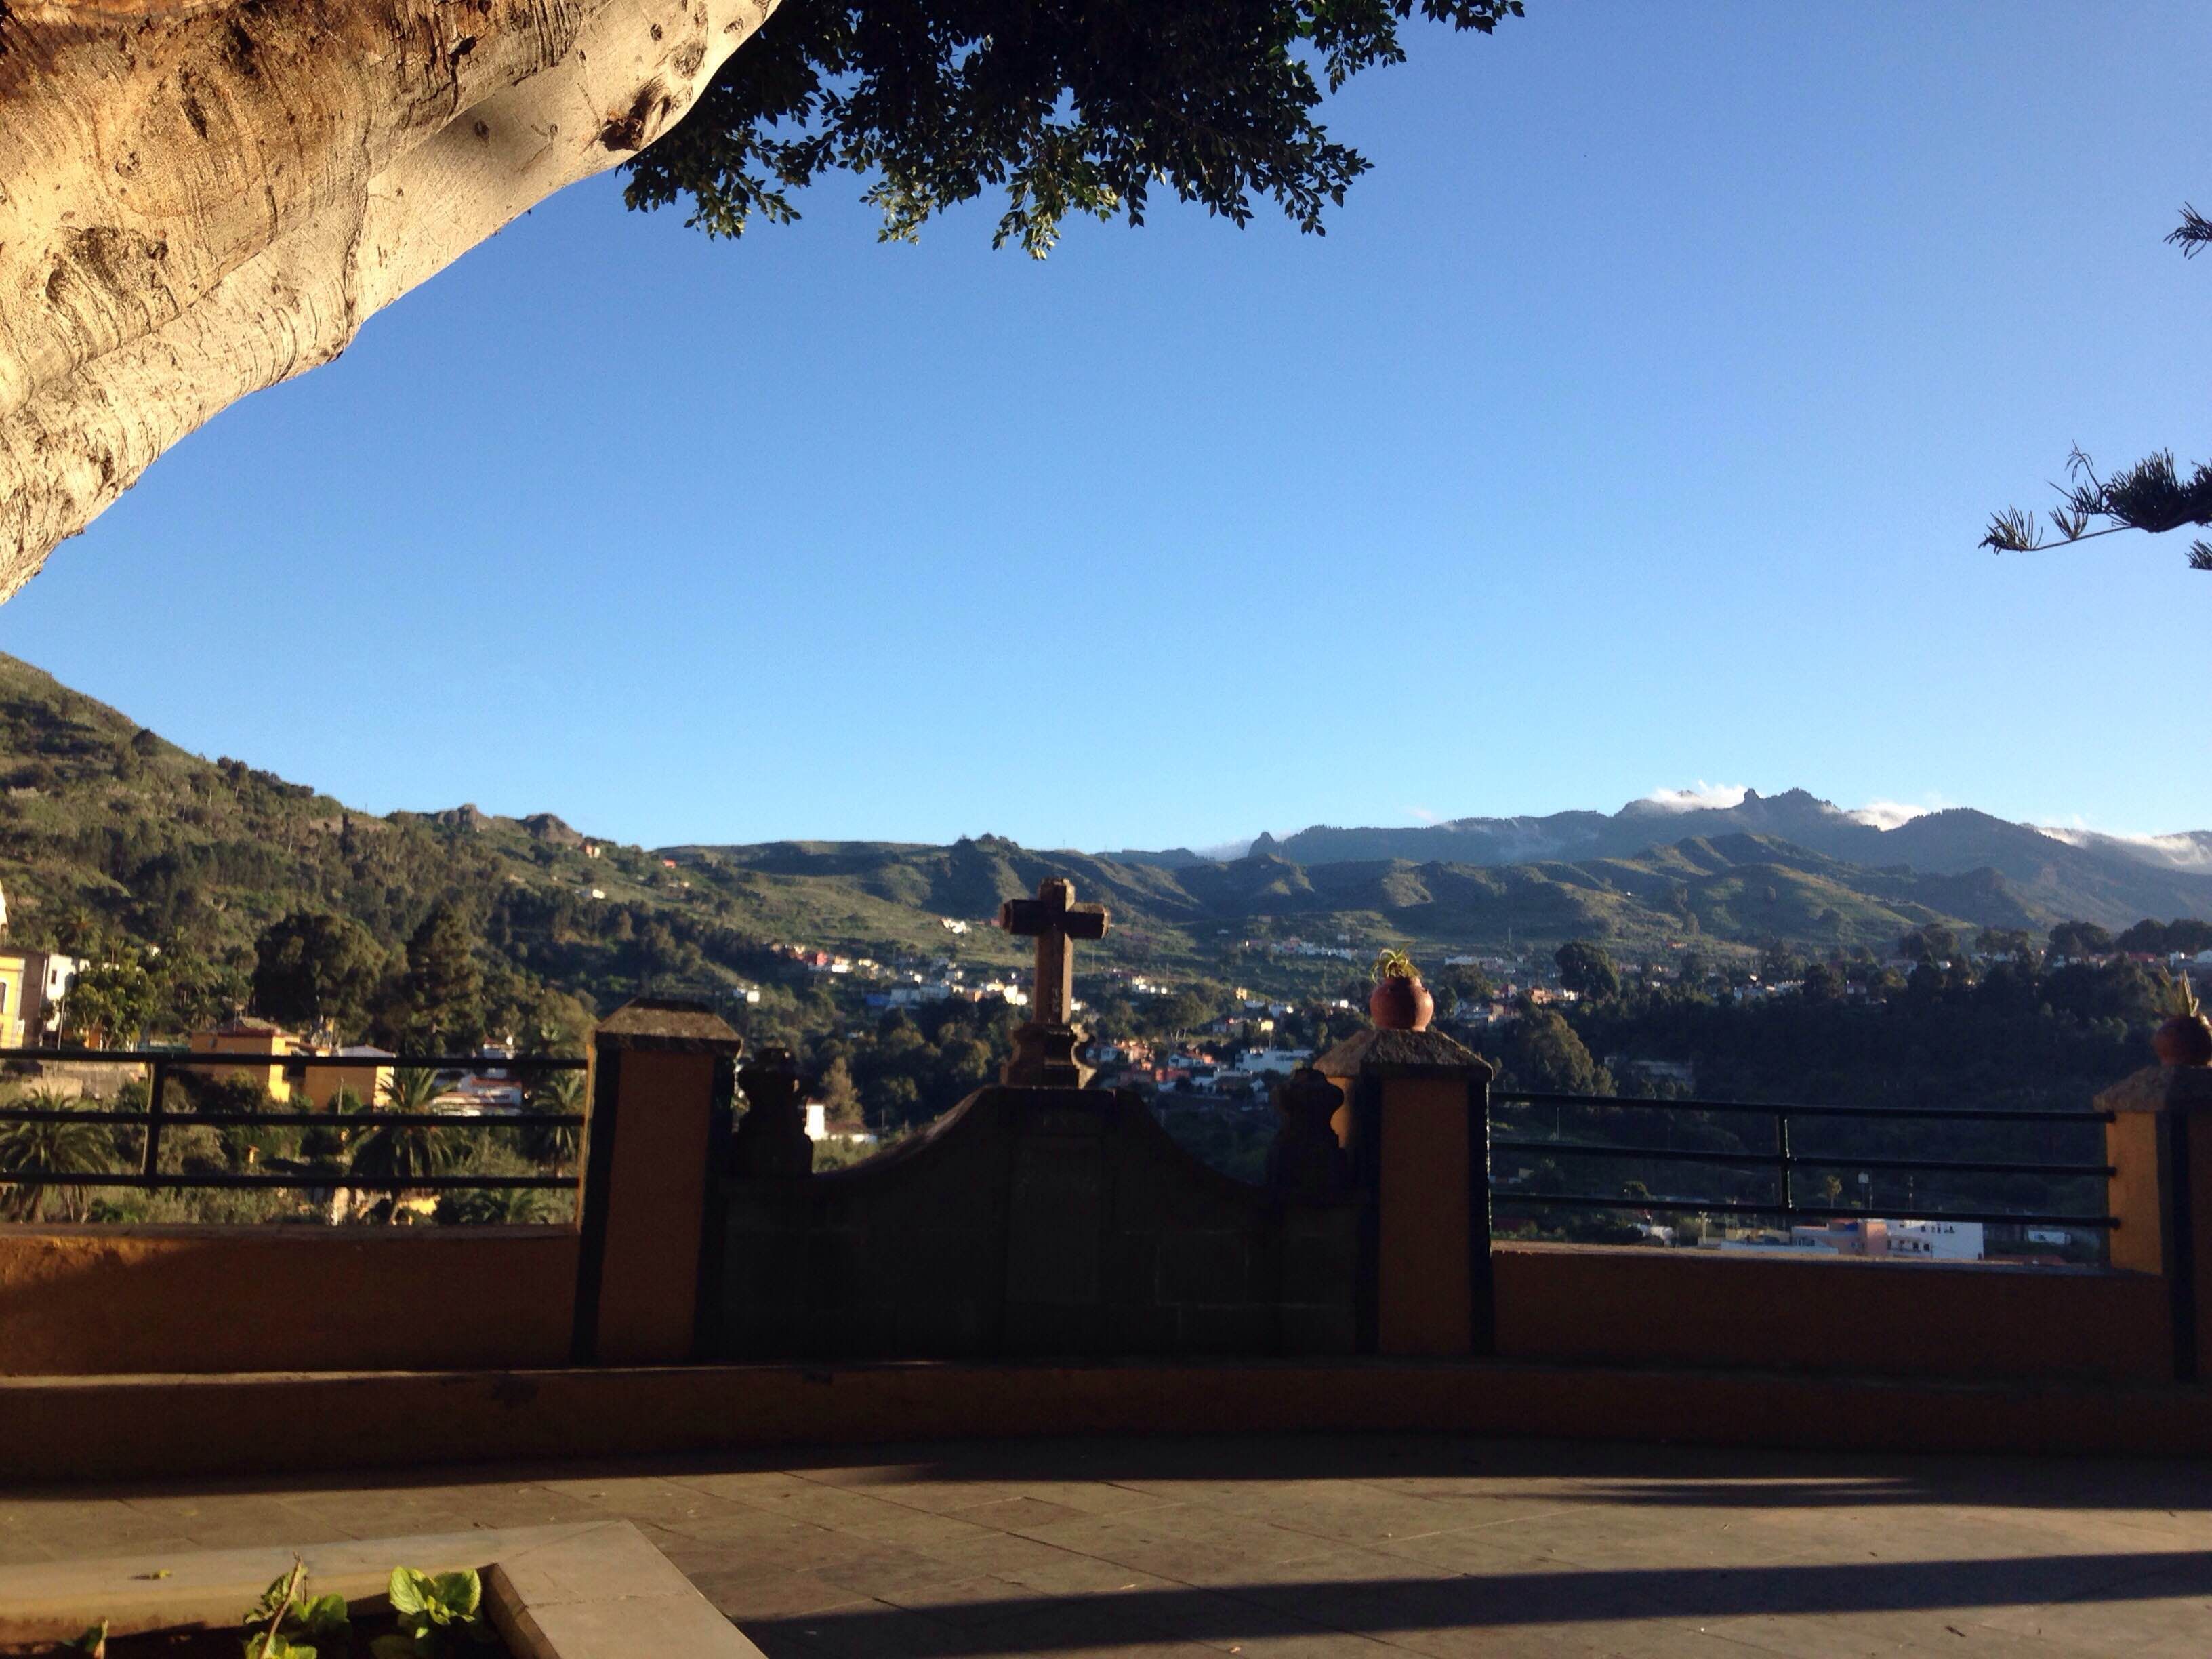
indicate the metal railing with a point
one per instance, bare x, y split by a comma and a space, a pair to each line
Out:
164, 1064
1785, 1162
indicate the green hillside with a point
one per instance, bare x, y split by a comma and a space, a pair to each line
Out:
109, 833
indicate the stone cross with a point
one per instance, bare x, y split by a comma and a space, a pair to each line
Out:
1056, 920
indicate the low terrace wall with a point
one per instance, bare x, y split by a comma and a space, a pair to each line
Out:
1649, 1306
85, 1301
1040, 1225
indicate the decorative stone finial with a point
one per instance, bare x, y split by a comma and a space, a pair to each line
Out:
1306, 1160
771, 1138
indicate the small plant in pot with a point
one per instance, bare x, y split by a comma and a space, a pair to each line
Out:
1399, 1002
2185, 1039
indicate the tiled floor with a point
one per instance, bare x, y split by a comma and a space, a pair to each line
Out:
1284, 1549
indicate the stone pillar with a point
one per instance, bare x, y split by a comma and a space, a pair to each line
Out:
2160, 1145
1415, 1125
659, 1122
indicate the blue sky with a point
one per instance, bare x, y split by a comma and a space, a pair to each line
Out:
1633, 426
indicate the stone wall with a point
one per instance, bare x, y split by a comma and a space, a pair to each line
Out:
1032, 1223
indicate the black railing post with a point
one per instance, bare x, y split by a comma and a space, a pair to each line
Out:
157, 1078
1782, 1164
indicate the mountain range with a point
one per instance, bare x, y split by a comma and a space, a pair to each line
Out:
101, 817
2061, 873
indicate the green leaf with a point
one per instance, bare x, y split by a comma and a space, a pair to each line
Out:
460, 1593
322, 1615
410, 1591
272, 1599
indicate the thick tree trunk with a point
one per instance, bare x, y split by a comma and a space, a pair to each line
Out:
201, 197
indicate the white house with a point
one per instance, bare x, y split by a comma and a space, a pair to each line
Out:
1936, 1241
1274, 1062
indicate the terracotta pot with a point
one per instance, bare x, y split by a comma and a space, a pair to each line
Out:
1400, 1004
2185, 1039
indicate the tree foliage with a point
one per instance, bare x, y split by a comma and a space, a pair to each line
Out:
1543, 1053
2152, 495
555, 1143
2187, 934
1936, 945
2079, 938
1065, 106
913, 1067
111, 1003
1586, 970
440, 1002
405, 1152
312, 967
54, 1146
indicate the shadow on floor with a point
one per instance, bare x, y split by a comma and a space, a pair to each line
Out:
1384, 1608
1660, 1476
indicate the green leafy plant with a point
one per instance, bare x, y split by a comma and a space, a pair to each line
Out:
94, 1641
400, 1152
1394, 964
555, 1144
55, 1147
282, 1623
434, 1611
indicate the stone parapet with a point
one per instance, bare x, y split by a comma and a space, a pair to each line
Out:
2160, 1146
662, 1071
1415, 1125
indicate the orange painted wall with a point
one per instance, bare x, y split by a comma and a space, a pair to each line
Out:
1423, 1285
76, 1301
650, 1287
2131, 1147
1684, 1307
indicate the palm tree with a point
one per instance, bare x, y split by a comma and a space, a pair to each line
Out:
402, 1151
52, 1147
555, 1143
500, 1206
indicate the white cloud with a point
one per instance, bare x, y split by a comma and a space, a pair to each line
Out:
1423, 815
1889, 814
2180, 852
1698, 797
1226, 850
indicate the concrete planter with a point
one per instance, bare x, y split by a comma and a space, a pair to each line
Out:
597, 1590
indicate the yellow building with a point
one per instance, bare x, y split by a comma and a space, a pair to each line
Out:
13, 971
367, 1079
266, 1043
